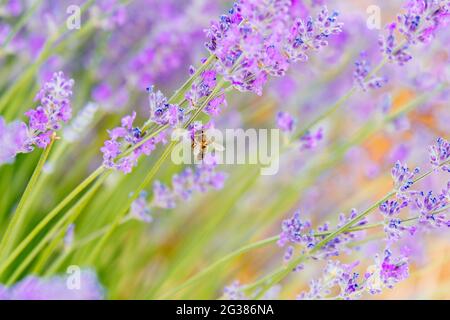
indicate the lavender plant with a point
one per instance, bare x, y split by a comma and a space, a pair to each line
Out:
87, 178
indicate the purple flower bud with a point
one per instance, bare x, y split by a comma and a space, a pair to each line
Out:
285, 122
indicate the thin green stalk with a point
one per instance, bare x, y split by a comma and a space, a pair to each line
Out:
12, 232
56, 154
70, 217
48, 218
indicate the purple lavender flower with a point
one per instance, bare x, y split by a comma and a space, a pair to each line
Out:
285, 122
206, 177
128, 136
54, 109
363, 78
183, 184
340, 243
335, 275
140, 210
296, 231
391, 208
418, 25
429, 206
394, 51
440, 154
386, 272
403, 177
395, 229
311, 139
261, 38
161, 112
124, 137
55, 288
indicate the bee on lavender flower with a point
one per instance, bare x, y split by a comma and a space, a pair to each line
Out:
200, 143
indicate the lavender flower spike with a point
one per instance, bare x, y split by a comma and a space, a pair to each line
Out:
440, 154
13, 140
403, 177
261, 38
418, 25
127, 135
55, 288
54, 110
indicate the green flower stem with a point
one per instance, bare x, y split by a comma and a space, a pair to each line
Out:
71, 215
56, 265
179, 94
57, 152
48, 218
186, 255
11, 233
97, 249
218, 264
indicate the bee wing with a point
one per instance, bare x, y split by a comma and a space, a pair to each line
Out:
197, 149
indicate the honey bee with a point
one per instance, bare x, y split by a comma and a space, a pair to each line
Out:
200, 145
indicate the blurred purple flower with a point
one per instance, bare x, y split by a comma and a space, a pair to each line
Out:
285, 122
440, 154
13, 140
311, 140
55, 288
140, 210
